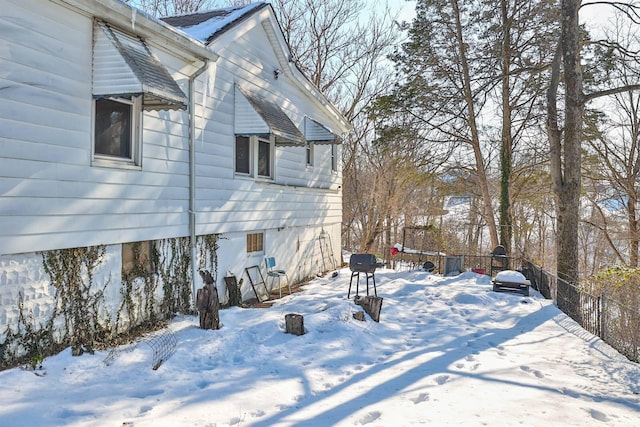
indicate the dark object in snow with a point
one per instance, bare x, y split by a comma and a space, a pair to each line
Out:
509, 280
363, 263
429, 266
294, 324
499, 259
372, 305
233, 288
359, 315
208, 302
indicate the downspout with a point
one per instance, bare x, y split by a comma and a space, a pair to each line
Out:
192, 178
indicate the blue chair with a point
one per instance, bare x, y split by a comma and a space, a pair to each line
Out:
272, 273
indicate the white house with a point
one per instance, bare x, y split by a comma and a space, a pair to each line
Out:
192, 142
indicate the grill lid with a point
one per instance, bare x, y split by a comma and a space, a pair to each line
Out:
363, 263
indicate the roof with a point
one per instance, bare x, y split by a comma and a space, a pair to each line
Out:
206, 26
152, 30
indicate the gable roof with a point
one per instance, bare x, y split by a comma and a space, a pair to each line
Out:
209, 26
152, 30
206, 26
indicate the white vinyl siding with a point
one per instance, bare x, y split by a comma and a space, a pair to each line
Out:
52, 197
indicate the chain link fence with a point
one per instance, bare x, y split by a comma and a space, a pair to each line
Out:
617, 323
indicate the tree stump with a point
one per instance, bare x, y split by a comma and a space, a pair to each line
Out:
234, 291
208, 303
294, 324
372, 305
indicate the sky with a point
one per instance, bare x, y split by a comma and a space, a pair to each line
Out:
447, 351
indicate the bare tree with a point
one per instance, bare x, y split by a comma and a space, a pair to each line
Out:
566, 139
613, 169
342, 48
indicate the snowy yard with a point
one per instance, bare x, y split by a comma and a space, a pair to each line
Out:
447, 351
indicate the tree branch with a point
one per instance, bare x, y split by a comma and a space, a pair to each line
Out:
613, 91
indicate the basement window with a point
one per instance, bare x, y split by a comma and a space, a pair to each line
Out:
255, 242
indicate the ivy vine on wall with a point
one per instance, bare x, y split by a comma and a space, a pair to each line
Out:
80, 318
77, 300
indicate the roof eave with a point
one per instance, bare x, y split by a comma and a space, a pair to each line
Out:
153, 30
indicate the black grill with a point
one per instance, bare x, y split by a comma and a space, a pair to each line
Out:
363, 263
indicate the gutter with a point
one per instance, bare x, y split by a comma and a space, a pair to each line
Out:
192, 177
151, 29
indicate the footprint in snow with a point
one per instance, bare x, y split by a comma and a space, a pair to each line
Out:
369, 418
422, 397
600, 416
532, 371
440, 380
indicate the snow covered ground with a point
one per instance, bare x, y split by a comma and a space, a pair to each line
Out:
447, 351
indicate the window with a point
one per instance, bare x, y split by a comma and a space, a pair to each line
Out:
309, 154
264, 158
255, 242
243, 155
334, 157
137, 260
116, 130
254, 156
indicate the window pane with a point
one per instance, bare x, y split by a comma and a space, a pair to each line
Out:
113, 128
264, 158
243, 156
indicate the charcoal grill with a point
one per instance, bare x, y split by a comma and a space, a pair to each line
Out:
363, 263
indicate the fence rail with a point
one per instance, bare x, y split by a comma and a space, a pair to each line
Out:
616, 323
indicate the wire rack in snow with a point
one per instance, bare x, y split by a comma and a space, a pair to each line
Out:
163, 344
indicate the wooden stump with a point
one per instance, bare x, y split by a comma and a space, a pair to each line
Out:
234, 291
208, 303
372, 305
294, 324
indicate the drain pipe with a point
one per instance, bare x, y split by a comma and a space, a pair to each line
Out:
192, 178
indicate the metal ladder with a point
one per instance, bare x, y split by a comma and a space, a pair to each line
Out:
326, 252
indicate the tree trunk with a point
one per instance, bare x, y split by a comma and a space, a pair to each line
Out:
475, 137
506, 222
565, 155
569, 190
633, 230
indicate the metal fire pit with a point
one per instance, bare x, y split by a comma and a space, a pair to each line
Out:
363, 263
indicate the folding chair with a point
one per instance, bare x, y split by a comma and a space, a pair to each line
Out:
270, 262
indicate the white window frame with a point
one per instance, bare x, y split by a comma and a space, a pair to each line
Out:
134, 161
254, 157
309, 154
